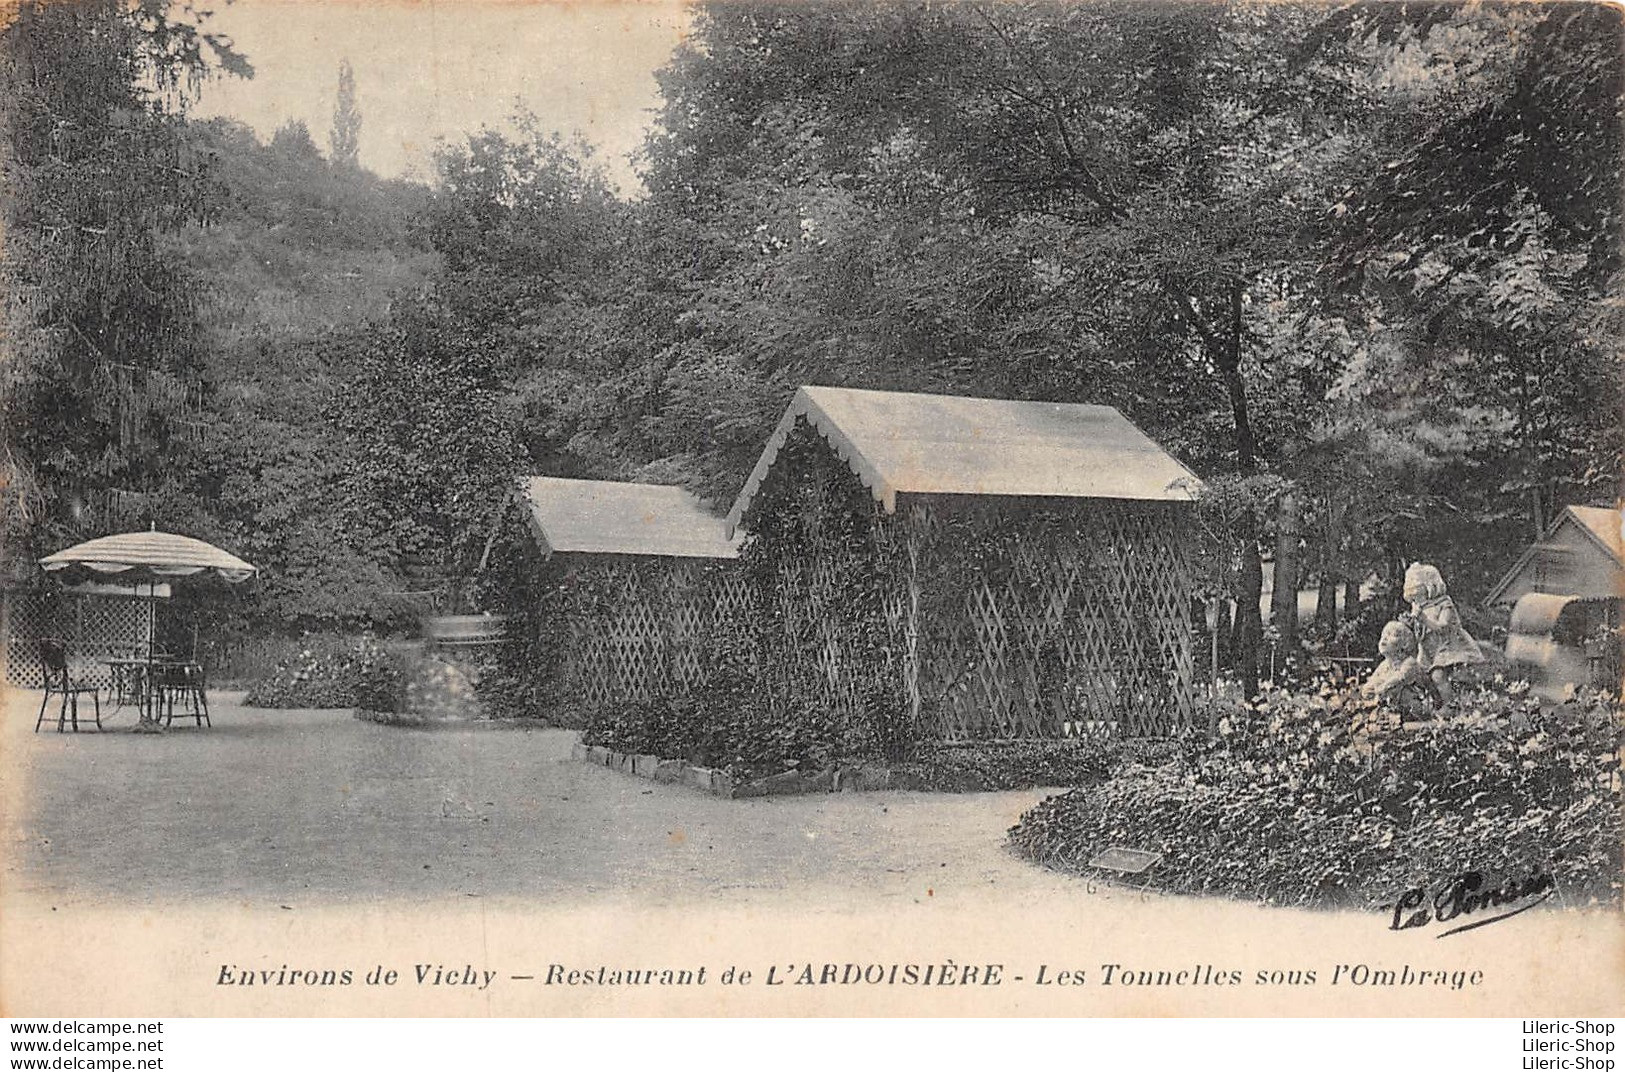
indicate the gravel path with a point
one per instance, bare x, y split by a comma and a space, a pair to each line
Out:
311, 807
493, 845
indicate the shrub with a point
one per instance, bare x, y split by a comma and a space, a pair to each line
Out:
245, 660
1293, 804
504, 693
315, 674
521, 677
647, 727
333, 671
993, 765
728, 723
378, 676
436, 687
743, 738
748, 740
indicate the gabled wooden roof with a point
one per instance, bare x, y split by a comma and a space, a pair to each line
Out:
942, 444
1604, 527
604, 517
1601, 527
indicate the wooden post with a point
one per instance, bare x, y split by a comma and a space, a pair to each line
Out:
5, 635
913, 523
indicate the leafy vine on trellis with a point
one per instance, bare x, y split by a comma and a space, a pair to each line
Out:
539, 595
826, 565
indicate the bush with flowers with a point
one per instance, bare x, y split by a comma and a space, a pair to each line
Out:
1318, 798
333, 671
436, 687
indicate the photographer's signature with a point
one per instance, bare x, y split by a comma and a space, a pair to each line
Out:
1469, 894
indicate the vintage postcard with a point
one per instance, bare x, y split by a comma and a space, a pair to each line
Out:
811, 508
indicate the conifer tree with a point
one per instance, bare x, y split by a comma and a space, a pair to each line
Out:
345, 137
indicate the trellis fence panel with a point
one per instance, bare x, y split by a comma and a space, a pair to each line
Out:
641, 627
93, 629
1060, 621
1001, 618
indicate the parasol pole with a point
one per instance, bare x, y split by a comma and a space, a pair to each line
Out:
146, 680
147, 715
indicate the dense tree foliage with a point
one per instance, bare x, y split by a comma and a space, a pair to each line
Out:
1357, 266
446, 407
1218, 218
101, 391
305, 260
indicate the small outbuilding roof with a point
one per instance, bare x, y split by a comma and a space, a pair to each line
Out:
1598, 527
1603, 526
942, 444
605, 517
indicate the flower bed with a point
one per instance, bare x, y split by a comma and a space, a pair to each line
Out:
757, 755
333, 671
997, 765
1293, 804
410, 720
436, 687
722, 730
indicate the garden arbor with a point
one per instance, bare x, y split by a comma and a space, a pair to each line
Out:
637, 585
967, 568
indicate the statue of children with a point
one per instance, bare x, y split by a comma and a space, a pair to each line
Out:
1442, 642
1399, 669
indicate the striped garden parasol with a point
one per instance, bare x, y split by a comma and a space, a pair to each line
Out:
149, 559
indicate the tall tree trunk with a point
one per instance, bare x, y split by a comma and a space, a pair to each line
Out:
1326, 602
1250, 626
1222, 341
1326, 618
1531, 453
1232, 636
1284, 601
1331, 570
1249, 613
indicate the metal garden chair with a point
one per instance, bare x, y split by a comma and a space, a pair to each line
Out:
58, 682
184, 683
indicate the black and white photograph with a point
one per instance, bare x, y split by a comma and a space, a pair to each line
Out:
935, 508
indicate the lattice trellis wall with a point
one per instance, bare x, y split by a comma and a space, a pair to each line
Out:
814, 656
837, 635
1057, 619
640, 626
94, 628
1000, 617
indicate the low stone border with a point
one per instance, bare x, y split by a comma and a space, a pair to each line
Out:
418, 722
668, 771
868, 777
721, 784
